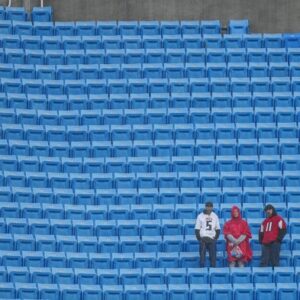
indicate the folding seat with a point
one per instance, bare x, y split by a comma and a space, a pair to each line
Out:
256, 59
63, 276
290, 163
230, 179
85, 28
51, 42
149, 27
266, 131
233, 41
18, 275
279, 69
16, 13
281, 84
170, 27
174, 70
167, 180
273, 40
132, 71
287, 131
12, 85
277, 55
132, 42
216, 56
55, 57
220, 100
167, 260
9, 163
261, 85
24, 72
210, 27
175, 56
66, 72
122, 260
195, 70
212, 41
11, 258
55, 259
274, 195
293, 209
7, 71
107, 28
172, 41
219, 276
130, 277
53, 211
6, 242
48, 291
14, 52
64, 28
41, 275
70, 291
159, 100
152, 41
135, 56
285, 115
237, 71
130, 244
253, 40
155, 56
16, 226
138, 86
68, 118
66, 243
112, 42
5, 26
262, 275
87, 278
264, 114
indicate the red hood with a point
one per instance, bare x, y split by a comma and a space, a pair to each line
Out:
232, 210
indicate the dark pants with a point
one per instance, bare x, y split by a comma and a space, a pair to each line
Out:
209, 246
270, 255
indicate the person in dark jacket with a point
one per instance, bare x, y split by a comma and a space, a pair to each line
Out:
271, 234
207, 230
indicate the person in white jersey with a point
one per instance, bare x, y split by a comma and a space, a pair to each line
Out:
207, 230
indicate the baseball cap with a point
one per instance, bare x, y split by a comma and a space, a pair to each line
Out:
209, 204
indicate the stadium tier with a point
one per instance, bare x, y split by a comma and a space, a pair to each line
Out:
113, 135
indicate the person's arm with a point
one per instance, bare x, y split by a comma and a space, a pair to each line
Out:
231, 238
198, 228
261, 234
197, 233
218, 228
240, 239
282, 231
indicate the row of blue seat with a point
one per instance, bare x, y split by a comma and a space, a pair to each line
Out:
124, 244
174, 153
19, 14
126, 260
173, 116
150, 292
103, 28
149, 180
277, 72
117, 42
179, 41
145, 211
144, 86
150, 164
276, 100
62, 210
290, 56
149, 276
184, 195
32, 223
287, 132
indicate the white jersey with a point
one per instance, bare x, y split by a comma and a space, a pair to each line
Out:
207, 224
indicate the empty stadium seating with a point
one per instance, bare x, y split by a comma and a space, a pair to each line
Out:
113, 135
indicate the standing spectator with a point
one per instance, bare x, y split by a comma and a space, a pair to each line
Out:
207, 232
237, 234
271, 234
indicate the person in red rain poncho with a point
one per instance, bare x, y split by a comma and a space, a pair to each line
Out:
237, 234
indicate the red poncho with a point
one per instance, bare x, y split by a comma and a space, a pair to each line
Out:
237, 227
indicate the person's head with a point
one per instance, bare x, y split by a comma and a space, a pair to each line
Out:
209, 207
235, 212
270, 210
